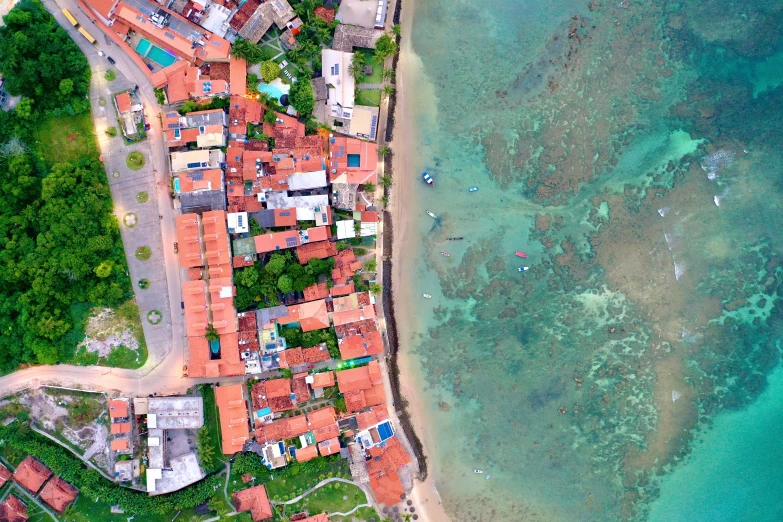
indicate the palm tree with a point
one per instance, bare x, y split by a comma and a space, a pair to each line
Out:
357, 66
384, 151
388, 75
388, 90
386, 180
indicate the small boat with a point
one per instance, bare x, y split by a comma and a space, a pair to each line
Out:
521, 254
426, 296
428, 180
488, 476
430, 214
445, 254
455, 238
523, 268
473, 189
478, 471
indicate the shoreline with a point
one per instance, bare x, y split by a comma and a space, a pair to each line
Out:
400, 165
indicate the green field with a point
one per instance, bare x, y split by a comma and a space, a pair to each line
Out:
333, 497
369, 97
69, 138
212, 421
377, 70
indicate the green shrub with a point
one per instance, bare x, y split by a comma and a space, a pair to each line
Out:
111, 131
110, 75
143, 253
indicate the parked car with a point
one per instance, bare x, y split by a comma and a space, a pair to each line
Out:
150, 67
176, 247
111, 60
146, 126
101, 53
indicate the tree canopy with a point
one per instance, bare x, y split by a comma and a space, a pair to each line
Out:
301, 96
252, 53
269, 70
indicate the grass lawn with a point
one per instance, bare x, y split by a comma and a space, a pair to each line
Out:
34, 511
135, 160
212, 421
286, 487
377, 70
69, 138
365, 514
370, 98
336, 496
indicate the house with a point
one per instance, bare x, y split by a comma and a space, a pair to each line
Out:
339, 82
5, 475
362, 387
321, 380
277, 241
352, 161
254, 18
345, 229
316, 354
232, 409
304, 206
161, 27
130, 112
13, 510
316, 291
255, 501
363, 13
119, 428
196, 160
58, 494
310, 316
282, 429
238, 76
238, 223
329, 447
300, 388
118, 409
121, 445
387, 488
360, 345
320, 250
197, 181
307, 453
189, 240
346, 37
31, 474
276, 394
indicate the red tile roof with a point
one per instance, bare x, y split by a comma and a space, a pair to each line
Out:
329, 447
355, 346
285, 217
13, 510
291, 357
375, 415
120, 444
5, 475
319, 249
232, 409
120, 427
123, 102
361, 378
337, 291
369, 217
327, 15
300, 387
31, 474
316, 354
254, 500
282, 429
277, 241
310, 316
118, 408
387, 489
307, 453
392, 457
238, 76
316, 291
340, 147
58, 494
323, 380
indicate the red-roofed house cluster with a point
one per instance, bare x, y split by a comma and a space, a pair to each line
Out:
39, 481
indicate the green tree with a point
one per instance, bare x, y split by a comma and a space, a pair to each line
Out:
270, 117
370, 265
285, 284
397, 29
160, 96
384, 151
66, 86
339, 405
104, 270
386, 180
357, 67
376, 289
211, 334
385, 46
269, 70
369, 188
24, 109
252, 83
252, 53
276, 264
247, 277
388, 75
301, 96
388, 90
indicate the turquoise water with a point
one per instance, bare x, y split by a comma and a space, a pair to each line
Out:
270, 90
176, 185
155, 53
633, 151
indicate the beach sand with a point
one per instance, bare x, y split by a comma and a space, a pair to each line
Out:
407, 163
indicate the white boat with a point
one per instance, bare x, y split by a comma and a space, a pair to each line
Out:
473, 189
445, 254
426, 296
430, 214
488, 476
478, 471
523, 268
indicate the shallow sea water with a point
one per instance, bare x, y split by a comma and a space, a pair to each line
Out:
633, 151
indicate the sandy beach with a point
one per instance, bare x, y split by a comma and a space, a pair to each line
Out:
405, 167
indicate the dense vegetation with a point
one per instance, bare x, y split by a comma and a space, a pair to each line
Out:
59, 241
260, 285
296, 338
18, 441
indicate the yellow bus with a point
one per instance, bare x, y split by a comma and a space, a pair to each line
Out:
70, 17
87, 35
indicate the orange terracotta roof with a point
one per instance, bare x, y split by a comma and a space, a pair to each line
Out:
276, 241
327, 432
307, 453
300, 388
180, 83
278, 388
118, 408
370, 418
120, 427
392, 457
291, 357
316, 291
282, 429
329, 447
123, 102
351, 316
194, 295
323, 380
215, 87
321, 417
319, 249
258, 396
224, 315
188, 240
215, 238
361, 378
369, 217
310, 316
285, 217
327, 15
232, 409
58, 494
339, 149
254, 500
5, 475
120, 444
387, 489
316, 354
337, 291
210, 179
255, 111
31, 474
319, 234
102, 6
355, 346
13, 510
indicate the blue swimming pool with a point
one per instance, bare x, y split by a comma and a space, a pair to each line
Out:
155, 53
354, 160
176, 185
271, 90
385, 431
214, 346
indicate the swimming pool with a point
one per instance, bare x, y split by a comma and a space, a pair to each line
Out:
271, 90
155, 53
176, 185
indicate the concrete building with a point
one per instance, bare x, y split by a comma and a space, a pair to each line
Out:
339, 81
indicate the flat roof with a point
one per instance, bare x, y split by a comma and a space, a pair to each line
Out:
186, 412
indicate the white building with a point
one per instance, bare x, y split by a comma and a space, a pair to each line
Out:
339, 82
238, 223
